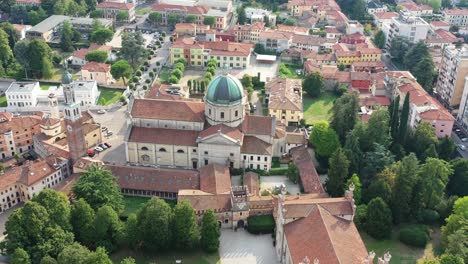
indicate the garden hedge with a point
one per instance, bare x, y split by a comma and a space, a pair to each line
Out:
260, 224
414, 235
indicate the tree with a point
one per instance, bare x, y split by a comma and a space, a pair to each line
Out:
379, 219
445, 148
66, 35
406, 178
97, 56
353, 147
121, 16
22, 55
133, 49
378, 128
20, 257
128, 260
185, 229
82, 221
101, 36
19, 14
107, 228
98, 187
293, 172
35, 17
247, 81
458, 180
357, 187
324, 139
415, 54
48, 260
13, 34
173, 19
154, 225
60, 7
376, 160
433, 179
190, 18
58, 207
131, 231
313, 84
6, 5
209, 21
74, 253
424, 73
344, 114
394, 111
290, 22
40, 56
121, 69
381, 186
241, 16
341, 67
96, 13
47, 68
76, 8
337, 173
435, 4
451, 259
455, 232
398, 47
424, 137
210, 232
99, 257
173, 79
403, 124
379, 39
358, 10
155, 17
6, 56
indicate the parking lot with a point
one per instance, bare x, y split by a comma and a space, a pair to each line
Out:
460, 137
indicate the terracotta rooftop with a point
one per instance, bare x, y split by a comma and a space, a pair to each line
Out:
333, 240
251, 181
96, 67
231, 132
295, 138
163, 136
193, 10
215, 179
228, 48
19, 123
275, 35
258, 125
254, 145
386, 15
456, 12
438, 23
372, 100
202, 201
169, 110
33, 172
284, 94
360, 76
116, 5
309, 176
154, 179
294, 29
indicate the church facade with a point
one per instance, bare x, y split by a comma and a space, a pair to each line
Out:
192, 134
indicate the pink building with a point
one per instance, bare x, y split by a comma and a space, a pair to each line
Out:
95, 71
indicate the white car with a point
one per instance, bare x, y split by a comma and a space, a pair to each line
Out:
464, 139
102, 111
98, 149
462, 147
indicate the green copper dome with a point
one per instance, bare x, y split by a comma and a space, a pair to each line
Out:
225, 89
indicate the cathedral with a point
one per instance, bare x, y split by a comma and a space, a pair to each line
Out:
190, 134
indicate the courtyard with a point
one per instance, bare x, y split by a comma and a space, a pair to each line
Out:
316, 109
242, 247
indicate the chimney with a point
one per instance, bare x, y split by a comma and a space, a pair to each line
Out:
385, 259
369, 259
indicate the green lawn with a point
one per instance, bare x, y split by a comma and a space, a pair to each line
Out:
109, 96
45, 86
143, 11
316, 109
289, 71
196, 257
133, 203
3, 101
164, 75
402, 254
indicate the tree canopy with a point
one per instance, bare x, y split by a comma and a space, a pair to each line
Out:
337, 173
324, 139
313, 84
210, 232
121, 69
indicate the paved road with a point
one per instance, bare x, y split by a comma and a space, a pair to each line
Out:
243, 247
269, 183
458, 141
389, 63
256, 101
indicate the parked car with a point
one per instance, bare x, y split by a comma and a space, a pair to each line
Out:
102, 111
98, 149
464, 139
462, 147
91, 152
108, 144
103, 129
109, 133
102, 146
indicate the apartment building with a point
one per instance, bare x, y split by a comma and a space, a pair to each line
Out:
22, 94
456, 17
259, 15
275, 40
284, 100
249, 33
111, 9
17, 133
414, 28
417, 10
452, 72
462, 116
31, 3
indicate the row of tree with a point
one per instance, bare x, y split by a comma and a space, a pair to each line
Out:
156, 18
50, 230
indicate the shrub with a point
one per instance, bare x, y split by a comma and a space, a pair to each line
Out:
415, 235
278, 171
155, 70
135, 79
173, 79
143, 68
147, 63
145, 87
148, 81
265, 193
56, 59
361, 216
131, 86
138, 73
151, 53
429, 216
151, 74
158, 63
260, 224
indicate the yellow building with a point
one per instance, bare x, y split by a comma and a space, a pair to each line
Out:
369, 54
285, 100
347, 57
189, 49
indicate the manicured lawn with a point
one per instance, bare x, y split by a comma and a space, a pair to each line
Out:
143, 11
109, 96
133, 203
402, 254
289, 71
45, 86
196, 257
3, 101
316, 109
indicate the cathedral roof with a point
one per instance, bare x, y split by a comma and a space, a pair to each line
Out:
224, 89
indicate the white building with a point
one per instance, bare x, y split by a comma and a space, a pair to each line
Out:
23, 94
462, 116
452, 72
414, 28
354, 26
456, 17
375, 7
258, 14
86, 92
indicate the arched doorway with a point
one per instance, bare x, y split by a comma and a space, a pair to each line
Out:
240, 224
219, 223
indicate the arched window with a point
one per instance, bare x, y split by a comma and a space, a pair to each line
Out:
180, 151
145, 157
144, 148
162, 150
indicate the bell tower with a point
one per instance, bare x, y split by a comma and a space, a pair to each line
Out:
73, 122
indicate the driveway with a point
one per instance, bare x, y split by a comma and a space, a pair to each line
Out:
269, 183
243, 247
266, 70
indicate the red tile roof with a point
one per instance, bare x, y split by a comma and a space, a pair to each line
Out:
254, 145
215, 178
456, 12
116, 5
438, 23
96, 67
251, 181
38, 2
257, 125
163, 136
154, 179
230, 132
309, 176
195, 10
386, 15
169, 110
